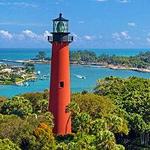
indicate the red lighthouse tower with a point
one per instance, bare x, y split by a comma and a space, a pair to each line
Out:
60, 76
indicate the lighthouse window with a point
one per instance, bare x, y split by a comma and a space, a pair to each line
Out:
61, 84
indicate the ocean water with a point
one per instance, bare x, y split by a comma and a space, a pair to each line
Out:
92, 74
22, 53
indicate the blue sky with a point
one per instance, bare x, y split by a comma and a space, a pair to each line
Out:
94, 23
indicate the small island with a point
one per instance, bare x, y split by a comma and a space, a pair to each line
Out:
16, 74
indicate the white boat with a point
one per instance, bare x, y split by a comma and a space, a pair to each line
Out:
26, 84
20, 84
39, 72
44, 77
80, 76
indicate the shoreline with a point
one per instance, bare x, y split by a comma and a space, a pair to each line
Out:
114, 67
18, 83
25, 80
98, 65
128, 68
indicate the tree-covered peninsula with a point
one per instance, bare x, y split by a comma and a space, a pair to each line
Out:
114, 117
140, 62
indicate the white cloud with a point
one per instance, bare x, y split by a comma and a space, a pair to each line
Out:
116, 36
81, 22
101, 0
6, 35
121, 36
131, 24
123, 1
131, 42
23, 4
125, 35
24, 24
19, 36
25, 34
148, 39
75, 37
45, 35
58, 2
120, 1
29, 33
88, 37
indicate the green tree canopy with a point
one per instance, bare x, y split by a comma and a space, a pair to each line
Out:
41, 55
6, 144
18, 106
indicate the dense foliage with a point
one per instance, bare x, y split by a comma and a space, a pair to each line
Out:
38, 100
132, 95
114, 117
26, 127
85, 56
6, 144
41, 55
141, 60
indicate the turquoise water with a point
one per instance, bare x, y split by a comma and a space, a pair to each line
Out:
91, 73
30, 53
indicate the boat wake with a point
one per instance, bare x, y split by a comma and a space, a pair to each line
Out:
79, 76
